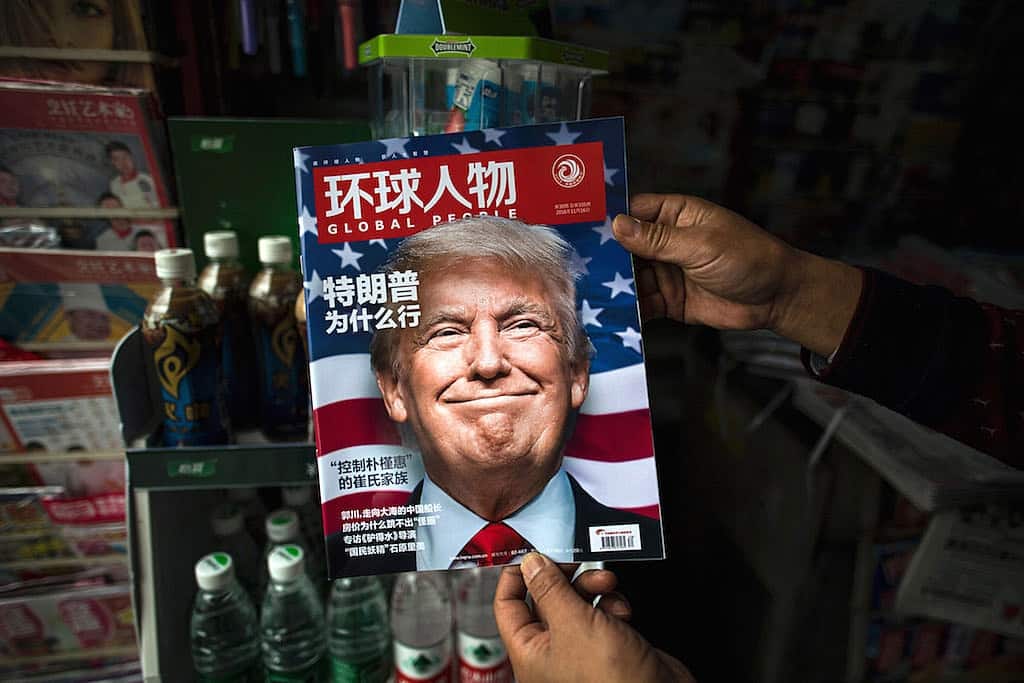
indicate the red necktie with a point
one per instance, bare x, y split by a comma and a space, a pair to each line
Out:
496, 543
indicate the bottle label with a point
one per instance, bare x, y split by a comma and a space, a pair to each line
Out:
423, 664
374, 670
283, 376
188, 367
483, 660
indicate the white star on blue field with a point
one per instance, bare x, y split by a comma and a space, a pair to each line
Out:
605, 296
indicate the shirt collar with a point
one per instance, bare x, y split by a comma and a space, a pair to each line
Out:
548, 522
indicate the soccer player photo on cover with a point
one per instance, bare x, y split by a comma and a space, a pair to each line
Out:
476, 367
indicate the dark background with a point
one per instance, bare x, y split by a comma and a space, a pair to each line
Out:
843, 126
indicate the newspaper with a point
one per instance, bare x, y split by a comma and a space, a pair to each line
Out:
932, 470
969, 569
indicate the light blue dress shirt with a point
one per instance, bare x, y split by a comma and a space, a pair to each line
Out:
548, 522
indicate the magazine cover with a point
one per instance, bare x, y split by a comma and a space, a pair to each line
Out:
62, 405
477, 377
54, 300
67, 146
100, 25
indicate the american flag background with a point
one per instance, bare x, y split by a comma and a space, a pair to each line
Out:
611, 453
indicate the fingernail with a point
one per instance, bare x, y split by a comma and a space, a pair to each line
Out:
621, 610
531, 565
627, 226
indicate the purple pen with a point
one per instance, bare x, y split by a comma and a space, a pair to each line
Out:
250, 30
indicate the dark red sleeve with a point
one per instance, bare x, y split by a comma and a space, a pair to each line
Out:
945, 361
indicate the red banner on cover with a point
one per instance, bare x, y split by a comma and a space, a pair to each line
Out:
544, 185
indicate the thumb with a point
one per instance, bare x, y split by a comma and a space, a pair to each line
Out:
555, 599
652, 241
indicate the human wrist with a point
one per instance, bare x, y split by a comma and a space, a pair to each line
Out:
817, 302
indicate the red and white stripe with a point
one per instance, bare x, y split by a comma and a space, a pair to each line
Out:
610, 453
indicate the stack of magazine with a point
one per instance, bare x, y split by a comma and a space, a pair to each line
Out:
932, 470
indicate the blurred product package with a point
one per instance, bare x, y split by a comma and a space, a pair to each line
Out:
61, 302
64, 622
78, 147
58, 405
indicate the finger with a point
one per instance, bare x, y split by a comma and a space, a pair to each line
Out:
654, 241
647, 206
595, 582
616, 605
646, 279
516, 623
669, 209
652, 307
669, 279
554, 598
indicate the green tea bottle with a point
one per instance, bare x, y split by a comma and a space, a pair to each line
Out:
282, 376
181, 327
227, 283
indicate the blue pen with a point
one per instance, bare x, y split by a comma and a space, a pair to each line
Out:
296, 35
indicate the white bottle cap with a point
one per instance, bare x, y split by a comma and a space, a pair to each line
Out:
175, 264
221, 244
295, 496
227, 520
275, 250
282, 526
215, 571
286, 563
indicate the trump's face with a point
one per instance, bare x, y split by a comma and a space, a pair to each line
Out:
485, 380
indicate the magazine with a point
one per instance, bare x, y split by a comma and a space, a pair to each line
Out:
969, 568
58, 301
477, 381
931, 469
85, 148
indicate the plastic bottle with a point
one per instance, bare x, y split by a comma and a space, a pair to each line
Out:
421, 624
358, 636
181, 327
223, 626
292, 621
283, 383
253, 510
300, 327
282, 527
307, 507
482, 655
227, 283
230, 534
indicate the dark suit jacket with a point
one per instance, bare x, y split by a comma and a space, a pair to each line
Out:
589, 513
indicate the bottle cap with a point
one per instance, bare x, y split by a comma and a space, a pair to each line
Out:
221, 244
215, 571
227, 520
282, 526
295, 496
175, 264
275, 250
286, 563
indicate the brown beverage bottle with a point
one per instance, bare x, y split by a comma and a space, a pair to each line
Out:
227, 283
282, 377
300, 327
181, 328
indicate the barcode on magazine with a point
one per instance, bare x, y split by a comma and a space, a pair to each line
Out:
614, 537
